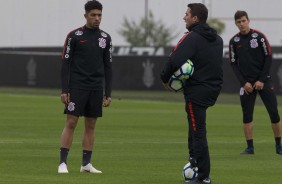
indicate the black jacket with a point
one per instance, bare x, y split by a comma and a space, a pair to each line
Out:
250, 57
87, 60
205, 49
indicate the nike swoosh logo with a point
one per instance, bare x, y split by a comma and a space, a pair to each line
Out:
82, 41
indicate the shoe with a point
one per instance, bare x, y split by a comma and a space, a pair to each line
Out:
248, 151
279, 150
197, 181
63, 169
89, 168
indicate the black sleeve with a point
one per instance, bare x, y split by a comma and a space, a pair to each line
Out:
233, 60
108, 68
67, 56
184, 50
267, 60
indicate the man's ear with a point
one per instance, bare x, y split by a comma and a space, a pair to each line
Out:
195, 18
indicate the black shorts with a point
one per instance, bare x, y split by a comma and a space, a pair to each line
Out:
86, 103
268, 97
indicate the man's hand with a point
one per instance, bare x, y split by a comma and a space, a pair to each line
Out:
258, 85
65, 98
166, 86
107, 101
248, 88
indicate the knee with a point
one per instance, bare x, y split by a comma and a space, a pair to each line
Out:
275, 119
71, 124
90, 123
247, 119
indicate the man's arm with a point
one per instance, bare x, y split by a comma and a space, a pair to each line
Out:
267, 59
184, 50
108, 73
233, 61
67, 55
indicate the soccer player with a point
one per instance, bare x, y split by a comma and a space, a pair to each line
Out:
250, 58
86, 64
204, 48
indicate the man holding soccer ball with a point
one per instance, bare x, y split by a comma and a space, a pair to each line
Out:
86, 62
204, 48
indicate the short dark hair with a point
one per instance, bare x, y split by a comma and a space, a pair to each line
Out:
93, 4
239, 14
199, 10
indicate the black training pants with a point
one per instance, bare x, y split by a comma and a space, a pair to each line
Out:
197, 138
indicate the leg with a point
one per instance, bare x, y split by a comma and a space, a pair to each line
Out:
269, 99
88, 134
67, 134
276, 127
197, 120
66, 142
247, 104
87, 144
248, 130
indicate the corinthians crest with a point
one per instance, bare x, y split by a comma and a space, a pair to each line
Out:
148, 76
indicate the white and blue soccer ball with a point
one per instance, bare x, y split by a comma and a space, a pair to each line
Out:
189, 172
175, 84
177, 80
185, 71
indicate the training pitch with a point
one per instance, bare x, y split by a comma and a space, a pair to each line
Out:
138, 141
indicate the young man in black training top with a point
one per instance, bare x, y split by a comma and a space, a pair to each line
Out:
250, 57
204, 48
86, 64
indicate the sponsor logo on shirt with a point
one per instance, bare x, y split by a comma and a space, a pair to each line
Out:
232, 54
236, 39
102, 43
68, 49
111, 52
254, 35
264, 46
78, 33
104, 35
254, 43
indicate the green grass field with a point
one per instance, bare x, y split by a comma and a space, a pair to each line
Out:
141, 139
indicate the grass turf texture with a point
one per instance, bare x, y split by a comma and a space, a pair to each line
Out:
137, 141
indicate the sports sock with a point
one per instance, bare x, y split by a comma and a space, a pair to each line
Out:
250, 143
86, 157
63, 155
278, 141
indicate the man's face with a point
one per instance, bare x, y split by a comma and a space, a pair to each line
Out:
243, 25
93, 18
189, 19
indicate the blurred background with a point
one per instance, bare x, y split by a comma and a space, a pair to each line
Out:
143, 34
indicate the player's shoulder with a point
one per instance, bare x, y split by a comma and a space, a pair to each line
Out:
256, 33
77, 32
235, 38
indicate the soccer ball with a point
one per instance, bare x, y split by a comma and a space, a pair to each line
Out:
185, 71
189, 172
175, 84
177, 80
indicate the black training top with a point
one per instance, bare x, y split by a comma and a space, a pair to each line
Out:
205, 49
87, 60
250, 57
